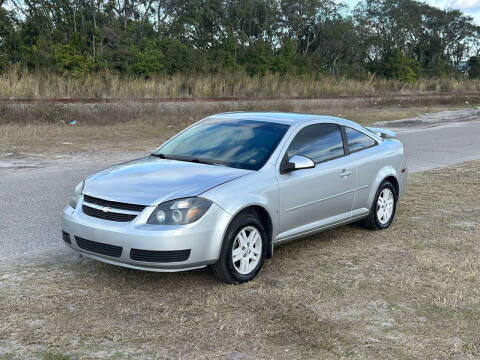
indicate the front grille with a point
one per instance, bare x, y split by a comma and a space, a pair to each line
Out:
99, 248
107, 215
113, 204
66, 237
159, 256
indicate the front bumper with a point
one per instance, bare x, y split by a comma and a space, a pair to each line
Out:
203, 238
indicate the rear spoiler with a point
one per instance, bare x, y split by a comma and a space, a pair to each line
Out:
383, 133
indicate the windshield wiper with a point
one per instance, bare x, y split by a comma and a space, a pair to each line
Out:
208, 162
186, 158
159, 155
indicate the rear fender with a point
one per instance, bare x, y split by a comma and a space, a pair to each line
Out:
384, 173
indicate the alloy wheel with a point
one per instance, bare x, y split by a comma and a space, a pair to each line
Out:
247, 250
385, 204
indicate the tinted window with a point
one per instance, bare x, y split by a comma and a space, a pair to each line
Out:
244, 144
358, 140
319, 142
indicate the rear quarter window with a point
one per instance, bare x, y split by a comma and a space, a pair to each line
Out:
357, 140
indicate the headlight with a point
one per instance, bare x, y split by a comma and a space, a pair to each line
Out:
76, 194
179, 212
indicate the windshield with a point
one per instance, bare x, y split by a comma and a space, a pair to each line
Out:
244, 144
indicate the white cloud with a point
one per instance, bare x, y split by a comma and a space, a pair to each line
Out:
470, 7
466, 5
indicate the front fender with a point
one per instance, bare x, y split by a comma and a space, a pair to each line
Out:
256, 189
236, 207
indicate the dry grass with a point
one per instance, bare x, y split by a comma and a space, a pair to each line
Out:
16, 83
140, 127
412, 291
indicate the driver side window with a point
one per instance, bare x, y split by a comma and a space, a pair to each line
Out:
319, 142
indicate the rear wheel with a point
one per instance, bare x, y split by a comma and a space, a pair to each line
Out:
243, 250
383, 208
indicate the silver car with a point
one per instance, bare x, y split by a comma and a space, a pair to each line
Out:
226, 190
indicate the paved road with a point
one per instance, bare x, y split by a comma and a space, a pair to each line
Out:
441, 146
31, 199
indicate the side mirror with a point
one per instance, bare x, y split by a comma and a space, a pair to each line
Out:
296, 162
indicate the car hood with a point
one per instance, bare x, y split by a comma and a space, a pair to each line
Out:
150, 180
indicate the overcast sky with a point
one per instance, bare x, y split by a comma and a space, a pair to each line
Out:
470, 7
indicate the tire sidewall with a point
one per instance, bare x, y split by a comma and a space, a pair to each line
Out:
243, 222
384, 185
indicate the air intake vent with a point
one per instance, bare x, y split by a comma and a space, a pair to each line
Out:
66, 237
159, 256
99, 248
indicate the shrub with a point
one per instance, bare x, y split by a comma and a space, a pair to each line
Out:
70, 62
258, 59
225, 56
178, 57
148, 62
397, 66
473, 67
285, 61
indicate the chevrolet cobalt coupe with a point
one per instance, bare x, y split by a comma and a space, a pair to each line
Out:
226, 190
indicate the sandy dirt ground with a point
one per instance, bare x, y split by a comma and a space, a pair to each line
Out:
411, 292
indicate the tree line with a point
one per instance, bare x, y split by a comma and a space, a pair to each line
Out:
397, 39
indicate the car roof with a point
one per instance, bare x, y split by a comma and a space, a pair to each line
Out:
288, 118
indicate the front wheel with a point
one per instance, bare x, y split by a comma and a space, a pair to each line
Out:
243, 250
383, 208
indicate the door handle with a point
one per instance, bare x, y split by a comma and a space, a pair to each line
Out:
345, 173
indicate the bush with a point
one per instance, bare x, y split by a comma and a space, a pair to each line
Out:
147, 62
225, 56
70, 62
258, 59
178, 57
285, 60
397, 66
473, 67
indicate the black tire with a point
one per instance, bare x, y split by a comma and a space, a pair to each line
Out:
372, 222
224, 269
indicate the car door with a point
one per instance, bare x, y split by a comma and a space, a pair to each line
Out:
314, 198
363, 154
